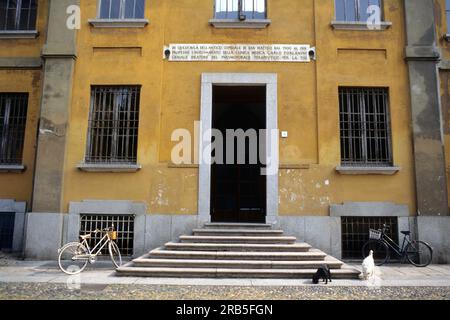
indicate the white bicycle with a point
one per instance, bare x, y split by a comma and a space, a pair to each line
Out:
74, 256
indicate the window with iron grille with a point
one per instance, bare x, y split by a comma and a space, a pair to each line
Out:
240, 9
355, 233
354, 10
123, 224
113, 125
6, 230
13, 116
18, 14
447, 14
365, 127
121, 9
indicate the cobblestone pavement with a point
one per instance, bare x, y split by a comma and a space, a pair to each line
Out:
45, 291
43, 280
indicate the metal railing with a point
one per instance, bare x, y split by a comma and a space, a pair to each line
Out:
123, 224
355, 233
6, 229
240, 9
365, 127
113, 125
18, 14
355, 10
121, 9
13, 117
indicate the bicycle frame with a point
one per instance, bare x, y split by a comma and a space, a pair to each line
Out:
94, 252
394, 246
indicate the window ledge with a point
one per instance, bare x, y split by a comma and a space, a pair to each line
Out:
103, 167
19, 34
358, 25
119, 23
238, 24
12, 168
345, 170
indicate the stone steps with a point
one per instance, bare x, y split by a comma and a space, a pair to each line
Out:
235, 264
298, 247
232, 273
238, 239
238, 232
227, 255
257, 226
229, 250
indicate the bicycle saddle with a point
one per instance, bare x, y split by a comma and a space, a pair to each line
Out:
85, 237
406, 233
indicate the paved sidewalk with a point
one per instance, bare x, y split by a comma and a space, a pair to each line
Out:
23, 280
101, 273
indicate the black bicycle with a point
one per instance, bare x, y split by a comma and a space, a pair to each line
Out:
418, 253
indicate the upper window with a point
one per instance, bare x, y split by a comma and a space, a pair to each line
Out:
113, 125
240, 9
365, 127
13, 116
355, 10
447, 13
122, 9
18, 14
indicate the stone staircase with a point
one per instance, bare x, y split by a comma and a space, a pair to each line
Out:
230, 250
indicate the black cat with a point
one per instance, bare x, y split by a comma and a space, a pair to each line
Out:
322, 273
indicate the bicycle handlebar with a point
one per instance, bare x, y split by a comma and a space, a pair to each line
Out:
104, 230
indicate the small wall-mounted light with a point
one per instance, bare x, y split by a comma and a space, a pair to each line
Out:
312, 53
167, 53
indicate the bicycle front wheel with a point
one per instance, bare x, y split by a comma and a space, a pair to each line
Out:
114, 253
380, 251
419, 253
73, 258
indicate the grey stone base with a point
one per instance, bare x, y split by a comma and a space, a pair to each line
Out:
43, 235
436, 232
325, 233
46, 232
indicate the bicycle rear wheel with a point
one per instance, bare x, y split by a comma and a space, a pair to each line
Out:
73, 258
419, 253
380, 251
114, 253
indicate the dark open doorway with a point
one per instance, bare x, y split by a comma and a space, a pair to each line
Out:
238, 191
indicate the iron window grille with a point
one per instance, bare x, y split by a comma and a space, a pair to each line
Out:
123, 224
240, 9
6, 230
13, 116
355, 10
113, 125
355, 233
121, 9
365, 128
18, 14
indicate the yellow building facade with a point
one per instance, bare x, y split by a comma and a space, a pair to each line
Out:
316, 193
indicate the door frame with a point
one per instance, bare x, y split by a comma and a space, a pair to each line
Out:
270, 80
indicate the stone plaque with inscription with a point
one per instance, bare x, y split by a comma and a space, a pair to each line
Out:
238, 52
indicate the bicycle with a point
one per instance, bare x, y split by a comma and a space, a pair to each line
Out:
74, 256
418, 253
